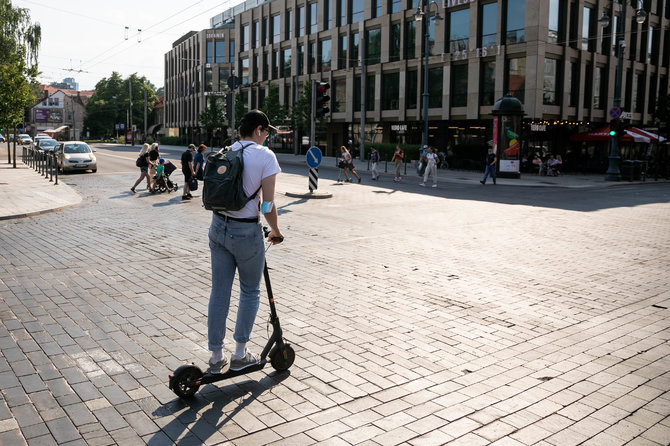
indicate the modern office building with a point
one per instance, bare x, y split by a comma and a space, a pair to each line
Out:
553, 55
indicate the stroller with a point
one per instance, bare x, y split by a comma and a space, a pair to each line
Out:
164, 183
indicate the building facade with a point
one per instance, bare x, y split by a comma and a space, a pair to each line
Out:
59, 111
553, 55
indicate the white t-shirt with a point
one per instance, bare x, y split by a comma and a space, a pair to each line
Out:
259, 163
431, 157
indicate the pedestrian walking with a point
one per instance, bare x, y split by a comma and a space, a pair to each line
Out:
398, 157
430, 159
143, 164
374, 160
491, 159
199, 162
187, 170
236, 244
422, 160
348, 164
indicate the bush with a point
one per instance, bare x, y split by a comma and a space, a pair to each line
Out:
172, 140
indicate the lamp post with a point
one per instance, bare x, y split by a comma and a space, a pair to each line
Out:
419, 14
613, 172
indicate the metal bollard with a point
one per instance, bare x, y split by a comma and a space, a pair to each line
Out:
56, 163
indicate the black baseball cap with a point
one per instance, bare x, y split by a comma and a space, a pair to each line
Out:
254, 118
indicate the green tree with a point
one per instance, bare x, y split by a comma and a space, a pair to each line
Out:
110, 104
275, 112
301, 113
212, 118
19, 44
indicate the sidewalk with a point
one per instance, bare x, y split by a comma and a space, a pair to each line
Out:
25, 192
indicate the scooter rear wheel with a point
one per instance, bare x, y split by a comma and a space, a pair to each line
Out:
282, 358
182, 384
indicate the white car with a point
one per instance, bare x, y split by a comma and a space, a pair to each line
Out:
76, 155
25, 139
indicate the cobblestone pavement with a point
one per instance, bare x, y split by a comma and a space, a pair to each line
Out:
460, 315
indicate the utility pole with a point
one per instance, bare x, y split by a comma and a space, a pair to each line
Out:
145, 112
130, 111
363, 94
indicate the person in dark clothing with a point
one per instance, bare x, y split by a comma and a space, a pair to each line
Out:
491, 159
199, 162
187, 170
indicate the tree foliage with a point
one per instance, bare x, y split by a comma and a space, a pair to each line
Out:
19, 44
301, 113
275, 112
213, 117
110, 104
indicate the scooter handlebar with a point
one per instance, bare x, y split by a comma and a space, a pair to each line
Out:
266, 232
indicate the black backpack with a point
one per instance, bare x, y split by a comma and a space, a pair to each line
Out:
141, 161
223, 188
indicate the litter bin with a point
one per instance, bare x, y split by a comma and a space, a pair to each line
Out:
627, 170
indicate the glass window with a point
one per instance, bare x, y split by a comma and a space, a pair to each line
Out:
313, 24
435, 84
266, 66
342, 57
390, 91
550, 85
208, 79
376, 8
410, 39
413, 4
487, 89
588, 85
516, 77
245, 71
276, 29
325, 50
586, 30
354, 50
223, 78
219, 51
327, 21
288, 25
301, 59
573, 80
357, 93
357, 10
286, 63
552, 36
394, 46
374, 45
257, 34
311, 56
602, 90
489, 24
395, 6
231, 51
275, 64
370, 92
341, 12
459, 30
301, 21
254, 69
264, 31
209, 52
411, 90
339, 95
244, 36
459, 85
516, 18
638, 99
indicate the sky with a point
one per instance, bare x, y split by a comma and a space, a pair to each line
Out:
85, 39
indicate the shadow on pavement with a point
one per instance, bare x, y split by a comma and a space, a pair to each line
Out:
204, 425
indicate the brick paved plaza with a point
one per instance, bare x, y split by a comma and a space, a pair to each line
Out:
463, 315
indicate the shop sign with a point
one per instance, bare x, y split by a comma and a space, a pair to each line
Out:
626, 115
538, 128
452, 3
399, 127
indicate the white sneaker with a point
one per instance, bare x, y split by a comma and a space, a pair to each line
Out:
422, 184
434, 185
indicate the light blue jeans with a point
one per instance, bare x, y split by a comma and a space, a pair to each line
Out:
234, 246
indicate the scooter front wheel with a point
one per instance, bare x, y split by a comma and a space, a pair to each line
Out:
282, 358
184, 383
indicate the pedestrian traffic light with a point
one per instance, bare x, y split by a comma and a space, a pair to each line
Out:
322, 98
616, 128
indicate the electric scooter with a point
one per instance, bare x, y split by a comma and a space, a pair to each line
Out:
188, 378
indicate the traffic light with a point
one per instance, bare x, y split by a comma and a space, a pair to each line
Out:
322, 98
616, 128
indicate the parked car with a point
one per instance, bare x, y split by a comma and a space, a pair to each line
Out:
40, 137
46, 144
76, 155
2, 138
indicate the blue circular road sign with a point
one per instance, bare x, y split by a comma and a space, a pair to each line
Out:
314, 157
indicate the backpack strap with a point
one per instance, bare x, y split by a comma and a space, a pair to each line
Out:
242, 155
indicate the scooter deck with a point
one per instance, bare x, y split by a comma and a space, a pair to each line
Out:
208, 378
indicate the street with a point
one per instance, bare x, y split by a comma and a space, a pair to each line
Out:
462, 315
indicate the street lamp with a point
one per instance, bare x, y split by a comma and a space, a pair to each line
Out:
419, 14
613, 172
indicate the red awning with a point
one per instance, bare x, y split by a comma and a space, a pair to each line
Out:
602, 134
632, 134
